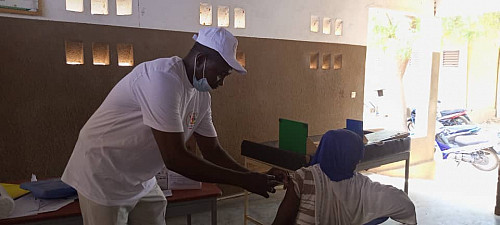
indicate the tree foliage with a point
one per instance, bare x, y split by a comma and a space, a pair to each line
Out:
466, 28
395, 32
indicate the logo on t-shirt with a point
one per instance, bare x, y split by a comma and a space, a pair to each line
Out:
191, 120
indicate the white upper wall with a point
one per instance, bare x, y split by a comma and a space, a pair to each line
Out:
447, 8
278, 19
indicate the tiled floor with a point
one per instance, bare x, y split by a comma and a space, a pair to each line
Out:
457, 195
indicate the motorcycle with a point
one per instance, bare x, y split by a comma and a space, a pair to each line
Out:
463, 144
453, 117
410, 121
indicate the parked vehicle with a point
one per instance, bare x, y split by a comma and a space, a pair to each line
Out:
410, 121
452, 117
463, 144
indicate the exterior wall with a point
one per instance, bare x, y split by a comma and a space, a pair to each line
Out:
422, 148
265, 19
482, 78
453, 80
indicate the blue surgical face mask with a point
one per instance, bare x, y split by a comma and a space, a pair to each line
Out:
201, 84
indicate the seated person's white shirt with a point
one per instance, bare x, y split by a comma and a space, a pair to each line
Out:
116, 156
357, 200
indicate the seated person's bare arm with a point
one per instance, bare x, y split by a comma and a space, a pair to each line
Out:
289, 207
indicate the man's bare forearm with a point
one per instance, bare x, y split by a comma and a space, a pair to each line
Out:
199, 169
221, 158
178, 159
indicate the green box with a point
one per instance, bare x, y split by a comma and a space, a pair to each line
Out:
293, 136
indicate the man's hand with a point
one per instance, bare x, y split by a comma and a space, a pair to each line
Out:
281, 176
260, 184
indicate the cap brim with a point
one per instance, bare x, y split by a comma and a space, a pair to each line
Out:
235, 65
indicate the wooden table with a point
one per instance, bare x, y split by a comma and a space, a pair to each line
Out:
182, 202
187, 202
386, 160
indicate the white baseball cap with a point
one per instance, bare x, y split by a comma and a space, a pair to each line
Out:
222, 41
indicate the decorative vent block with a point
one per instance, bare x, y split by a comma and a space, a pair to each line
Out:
313, 61
337, 62
327, 25
100, 53
223, 16
74, 5
125, 54
99, 7
314, 24
240, 56
239, 18
123, 7
338, 27
205, 14
74, 52
327, 62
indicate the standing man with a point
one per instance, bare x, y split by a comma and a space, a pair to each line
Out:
143, 124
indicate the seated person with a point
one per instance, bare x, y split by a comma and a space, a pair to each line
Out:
330, 192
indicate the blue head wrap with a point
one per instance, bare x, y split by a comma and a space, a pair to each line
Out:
338, 153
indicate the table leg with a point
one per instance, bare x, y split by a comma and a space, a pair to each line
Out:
214, 212
245, 205
497, 206
407, 173
247, 217
188, 219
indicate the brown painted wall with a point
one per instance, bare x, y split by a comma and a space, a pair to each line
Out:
45, 102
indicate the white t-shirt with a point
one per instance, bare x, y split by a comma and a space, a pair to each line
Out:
116, 156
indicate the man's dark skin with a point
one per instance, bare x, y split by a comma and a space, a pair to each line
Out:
216, 166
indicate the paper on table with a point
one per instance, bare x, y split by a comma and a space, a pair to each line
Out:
54, 204
179, 182
28, 205
167, 193
25, 206
385, 135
